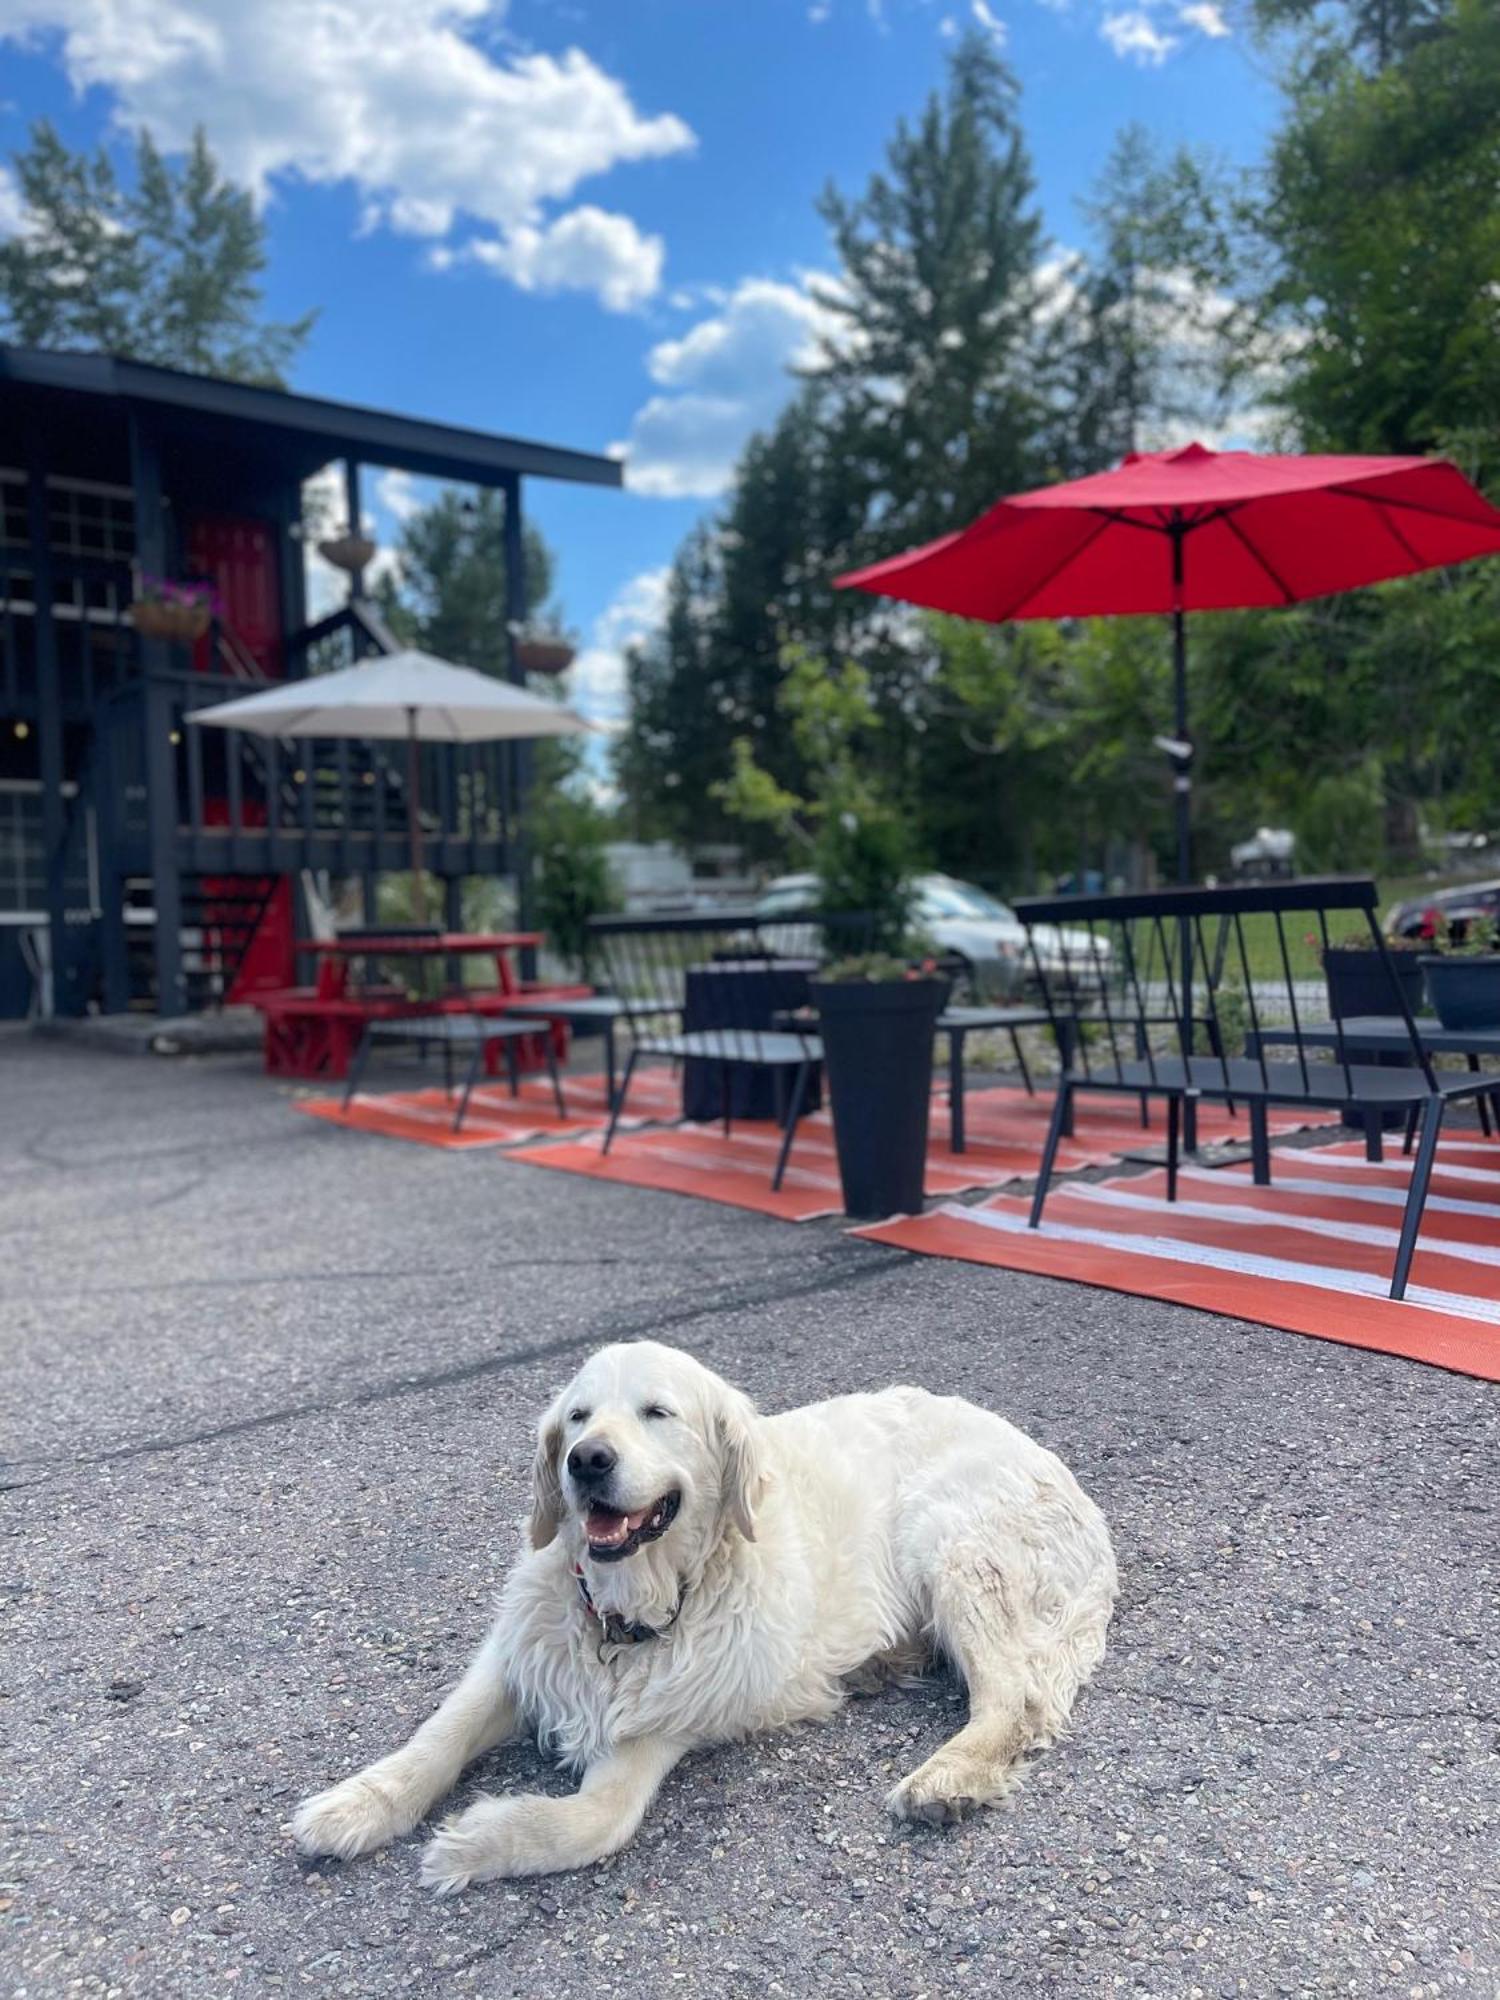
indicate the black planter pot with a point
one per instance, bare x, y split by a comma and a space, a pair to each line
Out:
1359, 983
877, 1051
1465, 992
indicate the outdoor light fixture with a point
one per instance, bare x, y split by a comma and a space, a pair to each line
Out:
23, 730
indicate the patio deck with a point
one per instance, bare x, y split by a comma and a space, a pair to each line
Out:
271, 1396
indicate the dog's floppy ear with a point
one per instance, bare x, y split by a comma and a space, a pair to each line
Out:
546, 1485
741, 1467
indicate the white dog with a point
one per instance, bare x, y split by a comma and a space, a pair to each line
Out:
697, 1571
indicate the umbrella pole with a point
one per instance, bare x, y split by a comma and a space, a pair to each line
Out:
1182, 790
1182, 783
414, 817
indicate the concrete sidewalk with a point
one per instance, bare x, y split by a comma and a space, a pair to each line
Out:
269, 1397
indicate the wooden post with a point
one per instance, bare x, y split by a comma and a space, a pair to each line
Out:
161, 757
351, 502
521, 757
109, 795
49, 736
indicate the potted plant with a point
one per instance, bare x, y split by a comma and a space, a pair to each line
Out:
349, 551
1462, 971
878, 1015
178, 612
1359, 977
543, 653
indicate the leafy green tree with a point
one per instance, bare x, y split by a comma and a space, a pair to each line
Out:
570, 839
1385, 235
1376, 32
167, 270
845, 827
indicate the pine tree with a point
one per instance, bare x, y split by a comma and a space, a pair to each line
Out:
937, 295
448, 592
676, 744
167, 270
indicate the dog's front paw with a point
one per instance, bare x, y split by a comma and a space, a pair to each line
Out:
499, 1837
473, 1846
937, 1793
348, 1819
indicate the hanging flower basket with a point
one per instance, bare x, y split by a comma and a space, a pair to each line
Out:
348, 552
540, 655
180, 613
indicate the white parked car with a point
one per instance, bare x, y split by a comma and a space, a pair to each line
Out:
966, 923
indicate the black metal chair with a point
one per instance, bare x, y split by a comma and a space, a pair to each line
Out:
1168, 932
693, 993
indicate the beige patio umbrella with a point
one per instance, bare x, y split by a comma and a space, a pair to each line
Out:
408, 696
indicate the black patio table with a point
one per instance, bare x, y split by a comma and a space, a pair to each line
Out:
745, 995
472, 1033
1387, 1034
958, 1023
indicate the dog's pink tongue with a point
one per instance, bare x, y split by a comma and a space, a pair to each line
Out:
607, 1531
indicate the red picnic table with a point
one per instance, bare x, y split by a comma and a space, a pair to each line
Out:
314, 1031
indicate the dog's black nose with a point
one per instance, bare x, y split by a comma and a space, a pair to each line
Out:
589, 1463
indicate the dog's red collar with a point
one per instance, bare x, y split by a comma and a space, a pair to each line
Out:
618, 1631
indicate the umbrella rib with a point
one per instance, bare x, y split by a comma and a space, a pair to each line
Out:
1288, 596
1381, 501
1056, 571
1411, 506
1395, 533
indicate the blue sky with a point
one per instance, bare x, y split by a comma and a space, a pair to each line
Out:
592, 221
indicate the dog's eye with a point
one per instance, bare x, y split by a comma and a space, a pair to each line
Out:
655, 1410
578, 1416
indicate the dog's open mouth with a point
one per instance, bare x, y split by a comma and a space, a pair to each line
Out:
613, 1534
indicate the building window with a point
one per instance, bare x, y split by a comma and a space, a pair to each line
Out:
23, 875
85, 517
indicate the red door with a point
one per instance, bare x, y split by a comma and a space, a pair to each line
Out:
239, 553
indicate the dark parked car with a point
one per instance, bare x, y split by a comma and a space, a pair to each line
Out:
1460, 906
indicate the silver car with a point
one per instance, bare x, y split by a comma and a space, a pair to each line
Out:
984, 935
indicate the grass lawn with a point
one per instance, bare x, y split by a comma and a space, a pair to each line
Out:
1263, 952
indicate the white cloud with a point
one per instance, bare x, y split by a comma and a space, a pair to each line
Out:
1207, 17
397, 493
725, 377
12, 208
585, 250
990, 21
596, 681
411, 102
1135, 37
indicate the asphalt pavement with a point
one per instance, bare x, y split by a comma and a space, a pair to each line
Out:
269, 1391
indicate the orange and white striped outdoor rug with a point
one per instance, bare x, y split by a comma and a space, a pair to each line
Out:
1311, 1254
1005, 1131
494, 1117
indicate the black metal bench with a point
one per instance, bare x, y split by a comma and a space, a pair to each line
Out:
1169, 929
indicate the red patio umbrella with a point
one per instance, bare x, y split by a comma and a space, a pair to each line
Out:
1195, 530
